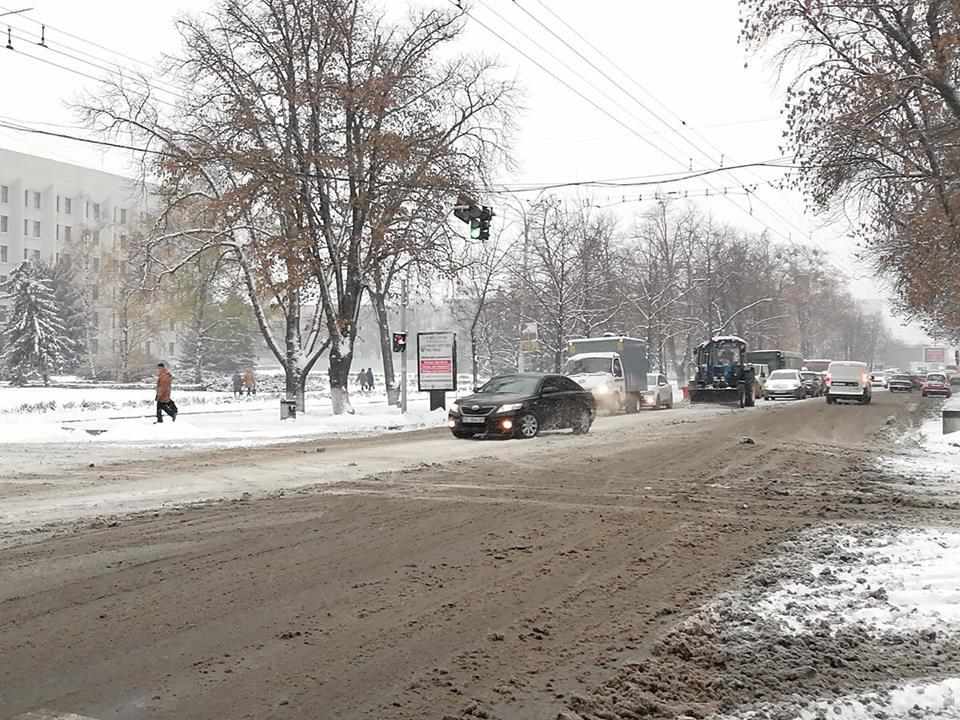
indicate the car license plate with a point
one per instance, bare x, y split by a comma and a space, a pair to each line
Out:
474, 420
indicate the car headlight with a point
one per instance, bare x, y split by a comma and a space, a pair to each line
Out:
509, 407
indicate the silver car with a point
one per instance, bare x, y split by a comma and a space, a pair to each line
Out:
658, 394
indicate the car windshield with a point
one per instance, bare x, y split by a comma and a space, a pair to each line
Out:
936, 378
513, 384
727, 354
589, 365
783, 375
810, 376
905, 378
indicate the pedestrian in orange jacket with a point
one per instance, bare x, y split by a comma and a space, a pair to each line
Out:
164, 403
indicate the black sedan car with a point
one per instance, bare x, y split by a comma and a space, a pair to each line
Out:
522, 405
813, 383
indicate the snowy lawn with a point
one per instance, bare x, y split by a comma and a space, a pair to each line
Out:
104, 415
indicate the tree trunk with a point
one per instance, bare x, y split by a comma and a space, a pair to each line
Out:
293, 365
340, 381
386, 342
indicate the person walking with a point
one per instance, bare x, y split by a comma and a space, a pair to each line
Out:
249, 382
165, 403
370, 379
237, 384
362, 379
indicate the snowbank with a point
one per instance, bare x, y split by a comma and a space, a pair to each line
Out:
905, 582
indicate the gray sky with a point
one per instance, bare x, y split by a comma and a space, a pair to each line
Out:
681, 60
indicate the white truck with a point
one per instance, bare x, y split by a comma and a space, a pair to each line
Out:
614, 368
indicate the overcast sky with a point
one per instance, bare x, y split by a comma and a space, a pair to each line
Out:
680, 58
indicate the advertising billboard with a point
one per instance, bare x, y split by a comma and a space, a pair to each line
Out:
437, 361
935, 355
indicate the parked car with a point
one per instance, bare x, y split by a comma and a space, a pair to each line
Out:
522, 405
658, 394
785, 384
900, 382
813, 383
936, 384
848, 380
878, 379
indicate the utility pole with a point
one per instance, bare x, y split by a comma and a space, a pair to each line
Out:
403, 356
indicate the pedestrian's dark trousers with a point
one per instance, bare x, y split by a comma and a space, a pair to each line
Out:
169, 407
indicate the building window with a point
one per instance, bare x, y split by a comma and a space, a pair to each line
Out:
95, 346
3, 253
36, 200
123, 242
95, 291
36, 229
96, 238
26, 228
95, 319
86, 210
36, 256
68, 206
123, 216
113, 321
58, 203
67, 233
173, 325
4, 223
96, 211
171, 350
26, 254
96, 264
4, 194
26, 198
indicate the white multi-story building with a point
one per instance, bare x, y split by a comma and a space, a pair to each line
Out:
49, 209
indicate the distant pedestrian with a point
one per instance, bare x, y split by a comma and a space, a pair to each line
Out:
370, 379
362, 379
249, 382
164, 402
237, 384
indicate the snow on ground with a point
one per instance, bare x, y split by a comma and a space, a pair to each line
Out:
104, 416
940, 699
908, 581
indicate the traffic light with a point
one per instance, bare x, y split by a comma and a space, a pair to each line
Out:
486, 215
399, 342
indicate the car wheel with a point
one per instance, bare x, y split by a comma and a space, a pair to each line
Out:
528, 426
670, 402
581, 426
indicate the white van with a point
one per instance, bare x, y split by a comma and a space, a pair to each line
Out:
848, 381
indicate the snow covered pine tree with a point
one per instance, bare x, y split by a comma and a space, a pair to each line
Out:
34, 339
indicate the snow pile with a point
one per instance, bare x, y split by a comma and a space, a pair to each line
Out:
909, 581
915, 700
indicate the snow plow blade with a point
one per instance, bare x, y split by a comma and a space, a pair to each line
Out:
715, 396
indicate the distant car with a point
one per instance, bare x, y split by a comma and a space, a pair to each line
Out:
900, 382
784, 384
813, 383
878, 379
936, 384
848, 380
522, 405
658, 394
761, 371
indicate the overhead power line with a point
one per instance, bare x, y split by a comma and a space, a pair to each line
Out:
495, 189
636, 83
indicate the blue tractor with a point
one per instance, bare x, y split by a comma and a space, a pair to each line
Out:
723, 375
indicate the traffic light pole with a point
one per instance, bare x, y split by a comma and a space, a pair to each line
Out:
403, 355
